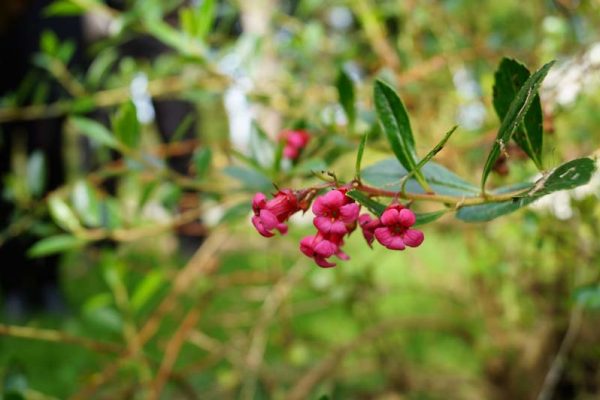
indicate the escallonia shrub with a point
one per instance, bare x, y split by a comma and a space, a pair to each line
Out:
409, 179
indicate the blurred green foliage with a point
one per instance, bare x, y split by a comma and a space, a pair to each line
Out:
478, 311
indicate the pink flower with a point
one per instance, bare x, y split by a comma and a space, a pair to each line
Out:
395, 233
272, 214
322, 246
368, 226
295, 141
335, 213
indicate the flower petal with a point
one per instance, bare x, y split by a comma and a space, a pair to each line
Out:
323, 263
384, 235
257, 222
326, 225
390, 217
268, 219
307, 245
282, 228
259, 201
325, 248
406, 217
349, 212
334, 199
413, 237
396, 243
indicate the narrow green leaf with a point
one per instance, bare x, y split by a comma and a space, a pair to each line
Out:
54, 244
36, 173
261, 146
62, 214
236, 212
86, 203
63, 8
183, 128
396, 125
126, 126
359, 155
374, 206
426, 218
309, 166
49, 43
205, 18
147, 288
514, 117
436, 149
202, 160
101, 66
345, 89
510, 76
95, 131
251, 179
389, 174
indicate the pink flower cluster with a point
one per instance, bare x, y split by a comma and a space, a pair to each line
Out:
272, 214
393, 230
336, 217
295, 141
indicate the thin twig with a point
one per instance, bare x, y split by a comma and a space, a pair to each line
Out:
172, 351
301, 390
201, 263
50, 335
560, 360
258, 339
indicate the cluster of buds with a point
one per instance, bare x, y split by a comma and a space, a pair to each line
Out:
335, 216
294, 142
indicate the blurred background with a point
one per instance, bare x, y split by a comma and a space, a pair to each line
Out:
134, 133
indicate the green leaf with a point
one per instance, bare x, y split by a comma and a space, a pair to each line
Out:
101, 66
202, 160
514, 117
95, 131
261, 146
36, 173
490, 211
388, 175
589, 296
63, 8
347, 98
54, 244
49, 43
86, 203
205, 18
126, 126
236, 212
309, 166
62, 214
251, 179
183, 128
396, 125
510, 76
147, 288
567, 176
374, 206
426, 218
110, 213
359, 155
